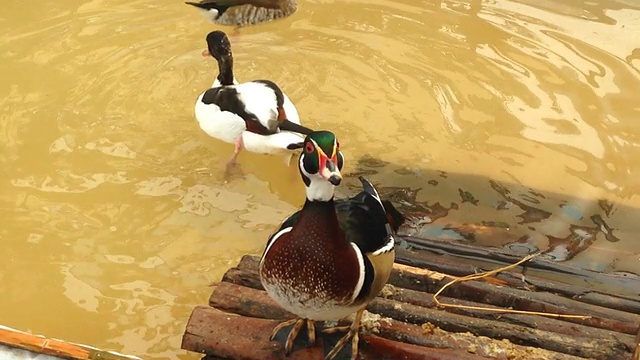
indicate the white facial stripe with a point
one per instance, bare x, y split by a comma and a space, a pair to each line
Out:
315, 144
318, 187
301, 165
318, 149
335, 148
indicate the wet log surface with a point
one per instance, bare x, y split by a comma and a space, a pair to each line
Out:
405, 323
619, 291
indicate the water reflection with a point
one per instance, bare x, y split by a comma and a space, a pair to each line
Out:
504, 123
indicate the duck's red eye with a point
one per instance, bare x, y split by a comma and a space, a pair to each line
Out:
308, 147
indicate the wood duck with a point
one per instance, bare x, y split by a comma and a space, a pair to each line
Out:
256, 115
332, 257
244, 12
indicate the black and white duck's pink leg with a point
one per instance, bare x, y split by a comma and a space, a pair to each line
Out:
239, 146
352, 333
295, 330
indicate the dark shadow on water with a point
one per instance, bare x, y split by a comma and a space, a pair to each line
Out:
592, 234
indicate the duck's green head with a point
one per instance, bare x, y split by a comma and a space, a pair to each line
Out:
218, 45
320, 164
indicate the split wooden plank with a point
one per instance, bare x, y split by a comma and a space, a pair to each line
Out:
61, 349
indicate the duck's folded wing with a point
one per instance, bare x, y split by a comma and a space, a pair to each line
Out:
223, 125
365, 220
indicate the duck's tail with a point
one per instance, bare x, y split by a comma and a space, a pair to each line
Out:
209, 10
394, 216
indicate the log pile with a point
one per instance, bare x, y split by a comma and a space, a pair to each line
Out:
405, 323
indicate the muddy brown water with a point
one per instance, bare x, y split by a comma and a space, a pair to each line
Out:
510, 123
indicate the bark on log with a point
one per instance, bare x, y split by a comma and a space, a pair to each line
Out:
255, 303
636, 352
531, 321
248, 277
429, 253
228, 336
408, 277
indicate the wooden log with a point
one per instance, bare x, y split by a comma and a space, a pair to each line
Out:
229, 336
591, 348
611, 340
536, 322
613, 302
245, 274
428, 253
246, 301
41, 345
506, 297
256, 303
636, 352
409, 277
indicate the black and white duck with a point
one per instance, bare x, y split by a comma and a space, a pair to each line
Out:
256, 115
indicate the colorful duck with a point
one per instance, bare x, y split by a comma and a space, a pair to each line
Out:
332, 257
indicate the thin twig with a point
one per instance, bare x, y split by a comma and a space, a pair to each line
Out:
510, 311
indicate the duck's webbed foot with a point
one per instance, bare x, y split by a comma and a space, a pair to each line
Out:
293, 333
352, 334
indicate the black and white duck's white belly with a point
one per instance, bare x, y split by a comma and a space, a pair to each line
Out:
249, 110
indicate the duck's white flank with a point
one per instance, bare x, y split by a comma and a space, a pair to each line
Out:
222, 125
260, 100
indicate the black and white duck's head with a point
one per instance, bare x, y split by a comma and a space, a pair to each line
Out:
218, 46
320, 165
